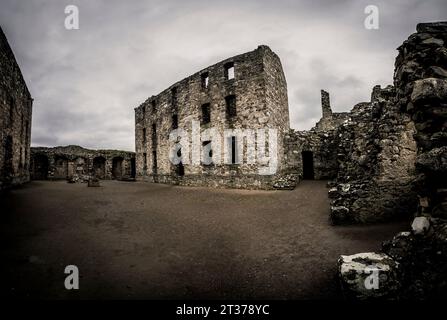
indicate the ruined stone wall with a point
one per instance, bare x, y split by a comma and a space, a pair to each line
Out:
369, 153
413, 265
260, 92
276, 104
376, 152
320, 142
421, 80
15, 120
329, 120
79, 164
321, 146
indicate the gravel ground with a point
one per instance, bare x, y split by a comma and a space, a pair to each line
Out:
142, 240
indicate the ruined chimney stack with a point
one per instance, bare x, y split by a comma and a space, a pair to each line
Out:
325, 104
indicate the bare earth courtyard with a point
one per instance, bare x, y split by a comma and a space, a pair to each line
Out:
144, 240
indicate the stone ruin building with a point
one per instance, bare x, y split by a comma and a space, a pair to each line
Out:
384, 159
15, 120
367, 153
247, 91
75, 163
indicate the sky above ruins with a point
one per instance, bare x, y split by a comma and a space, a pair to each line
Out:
87, 82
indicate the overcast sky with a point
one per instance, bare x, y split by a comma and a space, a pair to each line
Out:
86, 82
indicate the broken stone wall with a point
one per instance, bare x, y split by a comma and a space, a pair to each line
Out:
15, 120
376, 152
321, 148
259, 91
416, 260
319, 143
79, 164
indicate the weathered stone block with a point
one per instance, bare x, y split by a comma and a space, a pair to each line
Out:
368, 275
420, 225
429, 89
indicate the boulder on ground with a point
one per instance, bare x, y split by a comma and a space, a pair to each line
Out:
420, 225
368, 275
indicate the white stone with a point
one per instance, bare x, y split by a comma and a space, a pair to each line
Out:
356, 271
420, 225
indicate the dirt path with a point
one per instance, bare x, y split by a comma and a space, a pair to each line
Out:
141, 240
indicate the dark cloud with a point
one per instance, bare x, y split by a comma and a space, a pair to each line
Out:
86, 82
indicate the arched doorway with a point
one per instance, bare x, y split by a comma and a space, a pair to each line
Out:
99, 167
117, 168
80, 166
308, 165
40, 167
60, 167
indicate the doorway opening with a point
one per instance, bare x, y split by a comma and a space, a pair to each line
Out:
99, 167
133, 168
40, 167
308, 165
117, 168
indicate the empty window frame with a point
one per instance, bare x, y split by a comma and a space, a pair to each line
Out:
229, 70
154, 135
233, 150
174, 96
206, 113
174, 121
145, 161
144, 136
230, 102
204, 77
207, 152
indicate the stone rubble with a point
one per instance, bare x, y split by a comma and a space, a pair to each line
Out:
420, 82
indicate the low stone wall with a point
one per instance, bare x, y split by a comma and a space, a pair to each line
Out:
371, 201
79, 164
249, 182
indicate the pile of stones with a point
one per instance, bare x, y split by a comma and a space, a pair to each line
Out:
286, 182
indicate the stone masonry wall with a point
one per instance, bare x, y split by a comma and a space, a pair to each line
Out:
376, 152
79, 164
413, 265
15, 120
320, 141
260, 92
